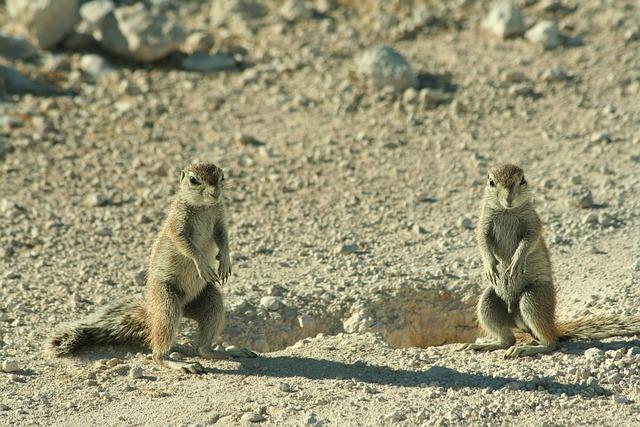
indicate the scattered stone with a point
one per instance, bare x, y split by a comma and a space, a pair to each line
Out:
232, 10
96, 199
521, 89
94, 12
419, 229
271, 303
590, 218
555, 74
311, 419
295, 10
285, 387
136, 372
200, 41
96, 66
505, 20
15, 48
252, 417
347, 248
207, 63
48, 20
632, 35
619, 399
9, 366
582, 197
594, 353
466, 223
383, 66
395, 416
134, 33
544, 33
599, 137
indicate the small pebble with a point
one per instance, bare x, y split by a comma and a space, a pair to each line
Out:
271, 303
252, 417
136, 372
10, 365
285, 387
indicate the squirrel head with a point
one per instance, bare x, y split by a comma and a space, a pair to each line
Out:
201, 184
506, 187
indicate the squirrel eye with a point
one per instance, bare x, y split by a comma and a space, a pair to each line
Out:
492, 183
193, 180
523, 181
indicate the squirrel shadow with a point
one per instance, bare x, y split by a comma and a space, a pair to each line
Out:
438, 376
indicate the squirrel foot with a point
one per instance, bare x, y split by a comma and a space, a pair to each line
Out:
229, 353
491, 346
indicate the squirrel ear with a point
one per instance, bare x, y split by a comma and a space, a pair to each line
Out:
182, 175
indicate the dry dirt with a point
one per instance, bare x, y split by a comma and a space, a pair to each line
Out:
347, 205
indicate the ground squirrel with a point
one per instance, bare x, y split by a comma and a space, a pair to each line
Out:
517, 265
180, 281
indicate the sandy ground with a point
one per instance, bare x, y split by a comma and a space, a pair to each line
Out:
349, 211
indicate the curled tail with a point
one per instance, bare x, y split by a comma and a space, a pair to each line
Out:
120, 322
598, 327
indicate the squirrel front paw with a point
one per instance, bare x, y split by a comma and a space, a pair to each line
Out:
224, 269
491, 272
516, 268
206, 272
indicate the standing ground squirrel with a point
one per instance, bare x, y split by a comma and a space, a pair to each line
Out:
180, 281
517, 266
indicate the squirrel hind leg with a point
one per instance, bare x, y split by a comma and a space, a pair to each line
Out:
494, 319
207, 309
537, 312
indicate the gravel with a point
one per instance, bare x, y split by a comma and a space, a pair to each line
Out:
347, 204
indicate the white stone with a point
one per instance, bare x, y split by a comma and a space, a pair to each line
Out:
383, 66
504, 20
544, 33
271, 303
136, 372
48, 20
96, 66
252, 417
94, 12
207, 63
134, 33
594, 354
10, 366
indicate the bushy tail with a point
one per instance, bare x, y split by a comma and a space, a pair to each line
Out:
120, 322
598, 327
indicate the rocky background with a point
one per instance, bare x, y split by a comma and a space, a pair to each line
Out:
356, 136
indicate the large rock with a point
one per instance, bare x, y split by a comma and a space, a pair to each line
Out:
134, 33
384, 66
16, 48
49, 20
229, 10
504, 20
